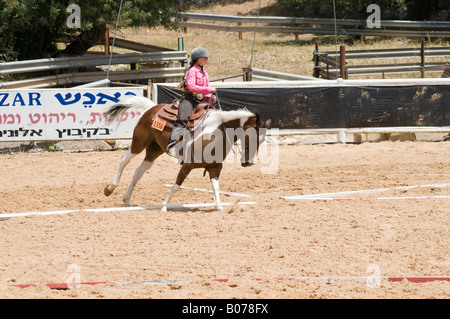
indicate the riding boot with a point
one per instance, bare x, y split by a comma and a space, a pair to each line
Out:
185, 109
176, 137
177, 143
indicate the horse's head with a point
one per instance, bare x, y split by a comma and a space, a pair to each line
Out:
255, 130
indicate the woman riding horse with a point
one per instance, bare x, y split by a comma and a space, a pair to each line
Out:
196, 91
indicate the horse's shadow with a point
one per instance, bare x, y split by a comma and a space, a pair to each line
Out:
177, 209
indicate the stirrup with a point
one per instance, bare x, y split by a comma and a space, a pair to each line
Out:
170, 150
170, 145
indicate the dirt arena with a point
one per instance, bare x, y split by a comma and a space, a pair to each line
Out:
272, 249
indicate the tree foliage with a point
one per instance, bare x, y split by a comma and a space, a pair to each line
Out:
31, 28
356, 9
429, 10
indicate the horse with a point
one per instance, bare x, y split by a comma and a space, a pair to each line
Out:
220, 130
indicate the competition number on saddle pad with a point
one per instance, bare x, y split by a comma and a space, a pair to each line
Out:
159, 124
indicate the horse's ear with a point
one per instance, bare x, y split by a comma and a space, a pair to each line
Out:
268, 124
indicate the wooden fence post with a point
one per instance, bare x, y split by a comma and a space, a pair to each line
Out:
107, 41
240, 23
343, 73
247, 74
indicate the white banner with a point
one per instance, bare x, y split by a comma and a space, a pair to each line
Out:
64, 114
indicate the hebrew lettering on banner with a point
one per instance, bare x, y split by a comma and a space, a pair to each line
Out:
63, 114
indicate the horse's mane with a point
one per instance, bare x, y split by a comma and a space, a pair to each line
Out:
214, 119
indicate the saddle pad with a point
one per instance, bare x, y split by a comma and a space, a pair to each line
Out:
169, 114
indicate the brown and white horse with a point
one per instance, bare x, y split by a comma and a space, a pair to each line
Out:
207, 149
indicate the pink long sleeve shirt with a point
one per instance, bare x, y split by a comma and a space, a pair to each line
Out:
198, 81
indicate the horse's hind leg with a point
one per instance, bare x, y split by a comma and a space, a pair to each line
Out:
141, 139
153, 151
126, 158
145, 165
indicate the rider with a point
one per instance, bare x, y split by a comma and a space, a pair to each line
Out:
196, 91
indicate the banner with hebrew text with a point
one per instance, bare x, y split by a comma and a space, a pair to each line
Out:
64, 114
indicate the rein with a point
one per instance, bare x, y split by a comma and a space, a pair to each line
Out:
231, 143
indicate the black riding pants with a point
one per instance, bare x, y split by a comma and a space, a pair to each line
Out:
185, 108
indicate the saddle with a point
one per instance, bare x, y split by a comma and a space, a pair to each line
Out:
169, 114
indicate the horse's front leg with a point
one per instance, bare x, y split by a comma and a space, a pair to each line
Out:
216, 193
174, 188
182, 174
214, 174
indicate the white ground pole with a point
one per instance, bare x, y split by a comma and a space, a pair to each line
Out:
210, 191
118, 209
216, 193
326, 196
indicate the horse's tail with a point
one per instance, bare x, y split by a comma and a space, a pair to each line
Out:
129, 101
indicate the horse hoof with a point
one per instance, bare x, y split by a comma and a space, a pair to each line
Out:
127, 202
219, 208
109, 189
164, 209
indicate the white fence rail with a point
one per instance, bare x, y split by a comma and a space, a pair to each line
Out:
268, 75
153, 63
90, 60
69, 79
319, 21
330, 65
293, 25
342, 133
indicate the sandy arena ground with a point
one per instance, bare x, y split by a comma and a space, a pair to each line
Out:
273, 249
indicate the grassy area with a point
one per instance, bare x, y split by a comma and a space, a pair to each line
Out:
277, 52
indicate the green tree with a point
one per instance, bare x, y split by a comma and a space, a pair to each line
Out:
345, 9
426, 10
30, 29
356, 9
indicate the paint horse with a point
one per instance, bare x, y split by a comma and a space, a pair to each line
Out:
228, 127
